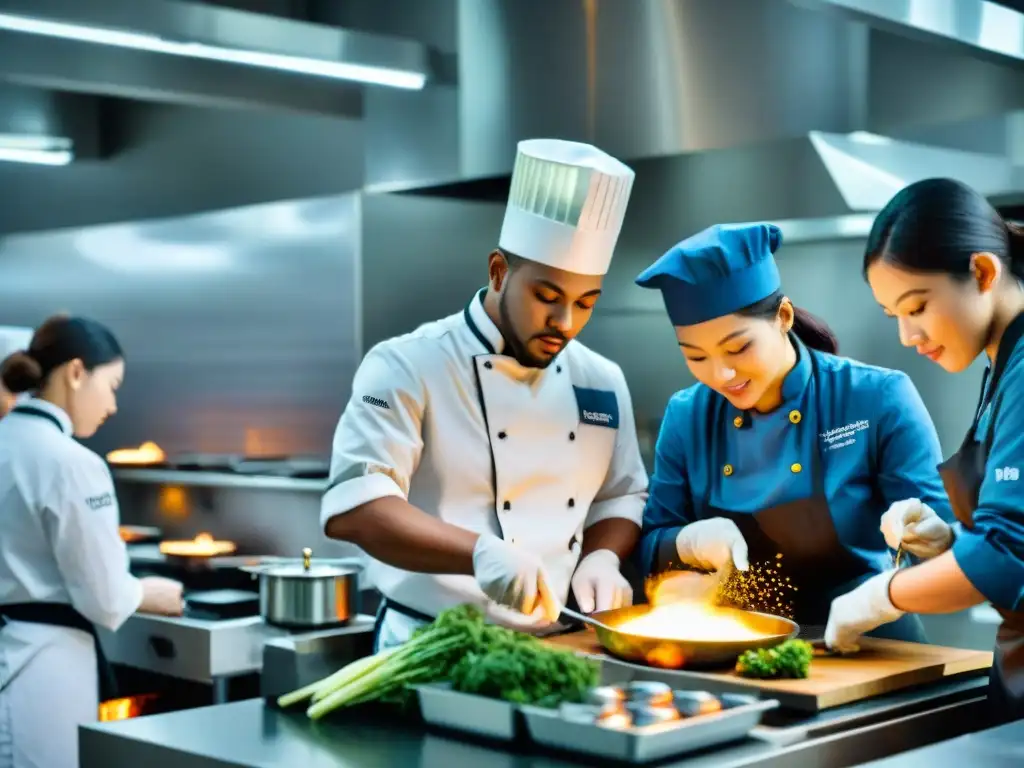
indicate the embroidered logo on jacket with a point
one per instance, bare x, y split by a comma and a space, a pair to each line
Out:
1007, 474
376, 401
99, 502
598, 407
840, 437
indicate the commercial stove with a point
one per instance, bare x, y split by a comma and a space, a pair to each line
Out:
211, 654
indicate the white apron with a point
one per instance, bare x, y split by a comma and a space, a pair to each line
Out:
61, 561
48, 688
534, 456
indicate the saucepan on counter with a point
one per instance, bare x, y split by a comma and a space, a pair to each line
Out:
306, 593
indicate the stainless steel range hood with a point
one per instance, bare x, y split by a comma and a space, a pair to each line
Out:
729, 110
194, 53
979, 26
819, 186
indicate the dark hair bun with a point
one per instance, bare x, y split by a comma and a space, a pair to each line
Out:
21, 373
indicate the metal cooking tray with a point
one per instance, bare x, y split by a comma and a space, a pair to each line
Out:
468, 713
643, 744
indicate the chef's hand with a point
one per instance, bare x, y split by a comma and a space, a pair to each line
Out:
715, 544
862, 610
162, 596
598, 583
513, 577
914, 525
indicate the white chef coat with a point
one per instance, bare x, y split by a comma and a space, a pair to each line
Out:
442, 418
59, 543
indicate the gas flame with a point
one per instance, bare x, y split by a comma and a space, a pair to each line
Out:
147, 453
203, 545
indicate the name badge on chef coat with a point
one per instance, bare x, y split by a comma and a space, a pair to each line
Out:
598, 407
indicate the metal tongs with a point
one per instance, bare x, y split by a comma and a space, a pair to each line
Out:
898, 557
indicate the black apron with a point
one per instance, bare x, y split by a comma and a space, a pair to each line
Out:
61, 614
812, 556
387, 604
962, 474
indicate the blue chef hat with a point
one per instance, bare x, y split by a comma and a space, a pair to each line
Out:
716, 272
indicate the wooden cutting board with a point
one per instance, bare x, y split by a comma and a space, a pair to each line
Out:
881, 666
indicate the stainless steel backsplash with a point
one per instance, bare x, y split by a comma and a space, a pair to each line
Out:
240, 327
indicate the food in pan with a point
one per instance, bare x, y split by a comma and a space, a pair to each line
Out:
691, 621
606, 697
631, 707
648, 692
791, 659
693, 703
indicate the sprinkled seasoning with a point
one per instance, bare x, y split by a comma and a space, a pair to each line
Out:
763, 588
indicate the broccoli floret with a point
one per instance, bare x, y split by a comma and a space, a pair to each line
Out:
791, 659
523, 670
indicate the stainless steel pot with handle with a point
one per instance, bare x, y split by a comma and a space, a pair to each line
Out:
305, 594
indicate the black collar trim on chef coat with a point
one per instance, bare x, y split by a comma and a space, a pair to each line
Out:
792, 386
482, 326
32, 409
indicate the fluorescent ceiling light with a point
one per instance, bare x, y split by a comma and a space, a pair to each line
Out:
396, 78
40, 150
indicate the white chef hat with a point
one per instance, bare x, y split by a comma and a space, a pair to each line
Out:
566, 205
13, 339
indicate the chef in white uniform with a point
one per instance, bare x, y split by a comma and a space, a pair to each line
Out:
488, 457
63, 566
12, 339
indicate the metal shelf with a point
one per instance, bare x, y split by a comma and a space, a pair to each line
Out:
217, 480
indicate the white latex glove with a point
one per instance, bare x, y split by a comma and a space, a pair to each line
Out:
513, 577
715, 544
860, 611
598, 583
915, 525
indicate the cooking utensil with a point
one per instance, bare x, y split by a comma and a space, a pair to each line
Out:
583, 618
308, 594
221, 604
139, 534
896, 560
671, 653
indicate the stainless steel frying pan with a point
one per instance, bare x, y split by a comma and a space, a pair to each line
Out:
670, 653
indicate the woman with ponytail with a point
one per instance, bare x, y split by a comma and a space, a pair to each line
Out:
63, 566
783, 455
946, 266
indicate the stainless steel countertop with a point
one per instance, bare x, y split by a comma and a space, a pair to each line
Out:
1000, 747
250, 734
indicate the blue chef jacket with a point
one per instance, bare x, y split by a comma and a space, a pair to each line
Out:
991, 553
877, 445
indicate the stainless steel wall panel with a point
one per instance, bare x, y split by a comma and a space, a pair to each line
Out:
240, 327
